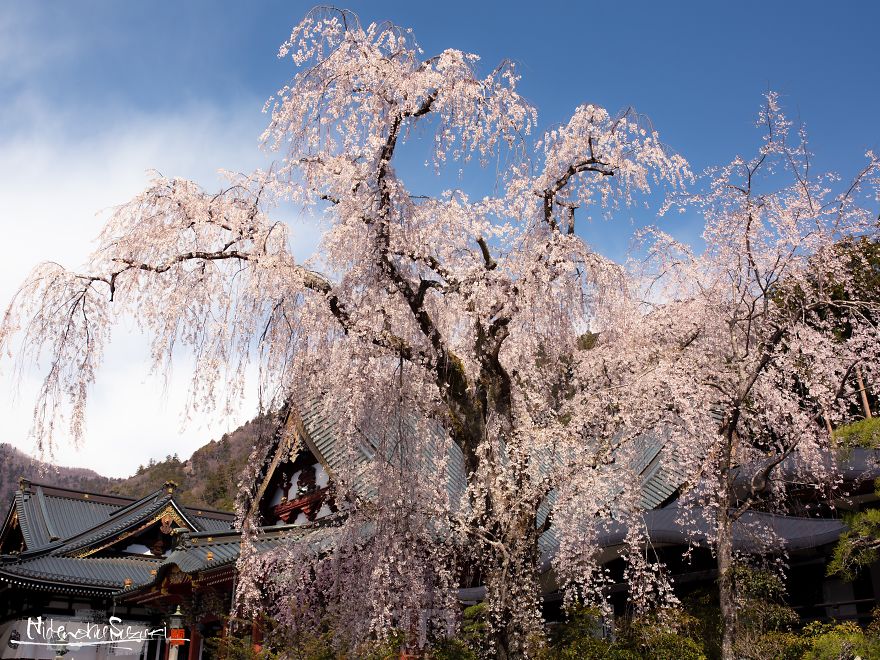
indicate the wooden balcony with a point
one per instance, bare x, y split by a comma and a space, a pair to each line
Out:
308, 503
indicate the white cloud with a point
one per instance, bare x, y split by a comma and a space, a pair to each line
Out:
51, 186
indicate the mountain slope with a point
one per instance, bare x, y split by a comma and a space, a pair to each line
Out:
209, 478
15, 464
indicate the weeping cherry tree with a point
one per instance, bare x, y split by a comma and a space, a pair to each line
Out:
739, 356
451, 312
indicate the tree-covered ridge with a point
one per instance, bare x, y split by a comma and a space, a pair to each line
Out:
209, 478
15, 464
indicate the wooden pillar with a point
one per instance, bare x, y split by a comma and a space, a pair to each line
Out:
195, 644
256, 637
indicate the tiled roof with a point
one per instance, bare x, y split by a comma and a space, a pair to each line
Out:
47, 514
59, 523
657, 469
855, 464
62, 520
118, 522
209, 552
753, 532
212, 524
659, 472
320, 424
108, 573
71, 517
192, 554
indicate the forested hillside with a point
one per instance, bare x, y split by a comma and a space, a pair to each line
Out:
15, 464
209, 477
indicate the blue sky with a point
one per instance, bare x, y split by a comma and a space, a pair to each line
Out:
94, 93
696, 69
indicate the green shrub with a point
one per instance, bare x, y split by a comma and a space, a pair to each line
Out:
580, 637
864, 433
779, 645
668, 636
236, 648
839, 641
857, 547
475, 627
452, 649
673, 646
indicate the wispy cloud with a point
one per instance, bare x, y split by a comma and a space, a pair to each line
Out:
53, 187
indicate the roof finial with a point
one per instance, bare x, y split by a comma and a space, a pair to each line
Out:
24, 485
169, 486
180, 538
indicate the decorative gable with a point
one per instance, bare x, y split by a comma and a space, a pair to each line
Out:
297, 491
155, 533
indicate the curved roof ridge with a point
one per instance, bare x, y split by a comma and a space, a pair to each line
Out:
53, 490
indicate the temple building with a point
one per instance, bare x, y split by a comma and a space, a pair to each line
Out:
65, 555
86, 562
79, 558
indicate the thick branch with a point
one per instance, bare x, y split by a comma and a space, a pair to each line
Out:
491, 264
449, 374
591, 164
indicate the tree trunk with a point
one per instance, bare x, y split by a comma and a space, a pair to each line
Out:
513, 589
726, 596
863, 391
506, 531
